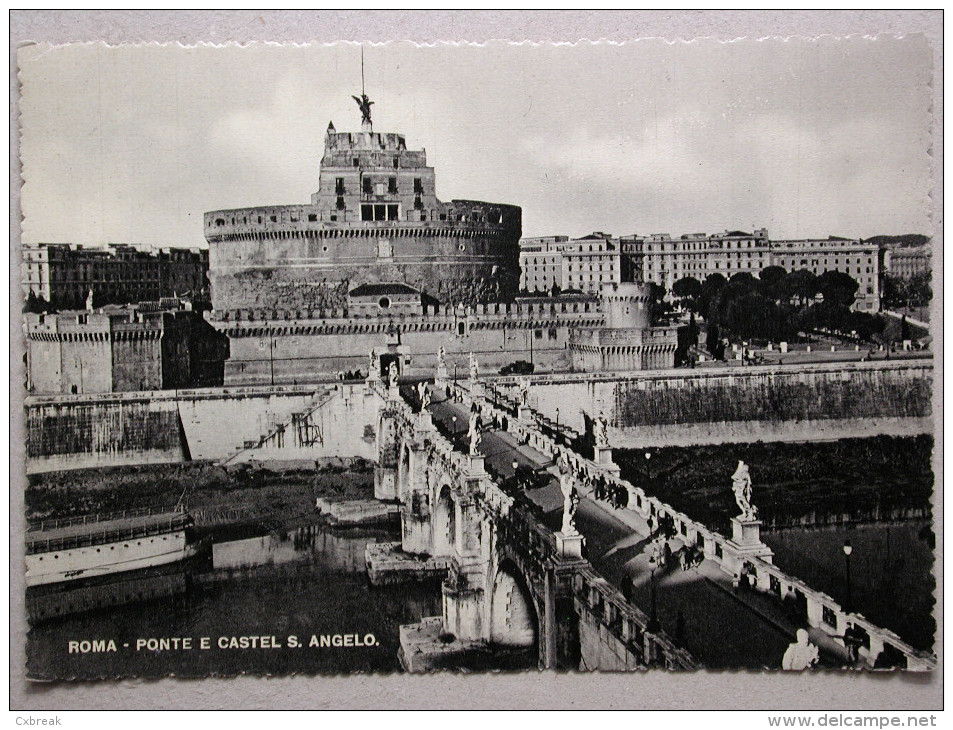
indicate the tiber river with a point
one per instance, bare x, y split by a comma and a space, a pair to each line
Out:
312, 582
308, 582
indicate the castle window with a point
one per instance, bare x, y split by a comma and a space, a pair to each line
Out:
418, 185
367, 212
392, 185
396, 163
312, 217
274, 219
380, 212
340, 204
368, 184
339, 186
383, 303
357, 162
333, 218
220, 221
418, 203
392, 213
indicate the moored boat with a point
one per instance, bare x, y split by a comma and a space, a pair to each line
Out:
97, 545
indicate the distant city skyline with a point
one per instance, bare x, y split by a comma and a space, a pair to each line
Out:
804, 138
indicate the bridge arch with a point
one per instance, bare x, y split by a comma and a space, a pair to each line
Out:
514, 613
444, 522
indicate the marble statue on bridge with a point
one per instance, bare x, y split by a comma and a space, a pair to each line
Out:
523, 385
741, 486
392, 375
474, 434
474, 368
801, 654
601, 429
441, 357
424, 394
567, 485
373, 366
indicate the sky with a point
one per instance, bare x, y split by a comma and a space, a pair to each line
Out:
807, 138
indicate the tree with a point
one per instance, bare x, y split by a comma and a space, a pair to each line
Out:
904, 328
688, 287
753, 316
864, 324
743, 280
33, 304
919, 291
711, 287
713, 341
800, 284
837, 288
772, 282
894, 291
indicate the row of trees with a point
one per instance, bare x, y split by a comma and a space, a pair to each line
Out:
778, 305
915, 291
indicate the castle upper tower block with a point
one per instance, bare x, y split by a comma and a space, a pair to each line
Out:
374, 219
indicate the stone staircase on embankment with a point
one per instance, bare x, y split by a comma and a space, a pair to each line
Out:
289, 438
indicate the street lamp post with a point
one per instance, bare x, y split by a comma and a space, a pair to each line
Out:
653, 624
557, 425
848, 549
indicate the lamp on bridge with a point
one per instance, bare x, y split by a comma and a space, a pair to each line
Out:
654, 560
558, 440
848, 549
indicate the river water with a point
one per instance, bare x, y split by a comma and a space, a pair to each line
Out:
307, 583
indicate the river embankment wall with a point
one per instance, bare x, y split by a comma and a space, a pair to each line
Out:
815, 402
653, 408
151, 427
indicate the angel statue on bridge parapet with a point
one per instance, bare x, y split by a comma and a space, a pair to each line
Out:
373, 366
424, 394
523, 385
567, 485
601, 431
474, 368
741, 486
474, 433
392, 375
441, 357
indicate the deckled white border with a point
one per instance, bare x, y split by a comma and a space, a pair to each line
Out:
653, 690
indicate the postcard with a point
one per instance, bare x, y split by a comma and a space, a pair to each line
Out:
601, 357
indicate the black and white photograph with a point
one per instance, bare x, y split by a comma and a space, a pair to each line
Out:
363, 357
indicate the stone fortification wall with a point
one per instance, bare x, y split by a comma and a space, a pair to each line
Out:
295, 350
293, 264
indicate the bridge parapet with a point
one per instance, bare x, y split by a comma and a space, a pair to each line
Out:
624, 640
881, 647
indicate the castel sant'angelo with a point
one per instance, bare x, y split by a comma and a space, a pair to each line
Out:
377, 263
